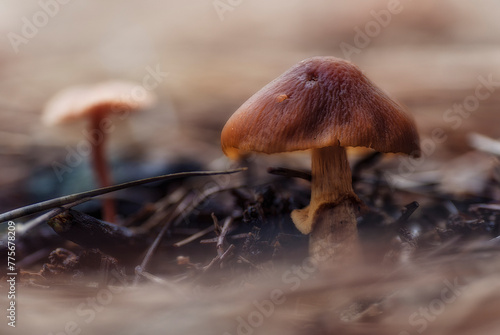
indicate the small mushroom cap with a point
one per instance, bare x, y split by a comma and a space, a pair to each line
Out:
104, 98
319, 102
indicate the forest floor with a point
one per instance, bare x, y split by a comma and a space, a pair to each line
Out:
231, 260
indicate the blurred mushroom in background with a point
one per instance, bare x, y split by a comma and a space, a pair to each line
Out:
98, 104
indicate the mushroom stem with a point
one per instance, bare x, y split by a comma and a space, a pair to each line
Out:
101, 168
334, 240
331, 175
331, 184
331, 215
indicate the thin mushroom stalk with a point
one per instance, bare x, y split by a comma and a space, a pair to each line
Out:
330, 218
101, 166
330, 185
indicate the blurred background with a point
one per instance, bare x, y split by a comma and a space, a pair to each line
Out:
439, 58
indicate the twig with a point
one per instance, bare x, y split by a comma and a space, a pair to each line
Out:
141, 268
218, 259
175, 217
244, 260
222, 236
194, 237
289, 173
157, 280
89, 232
22, 229
232, 237
401, 225
407, 212
450, 206
491, 207
216, 224
57, 202
484, 144
165, 209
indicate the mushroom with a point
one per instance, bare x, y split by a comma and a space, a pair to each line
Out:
96, 104
324, 104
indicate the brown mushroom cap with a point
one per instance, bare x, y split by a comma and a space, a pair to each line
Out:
319, 102
103, 98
